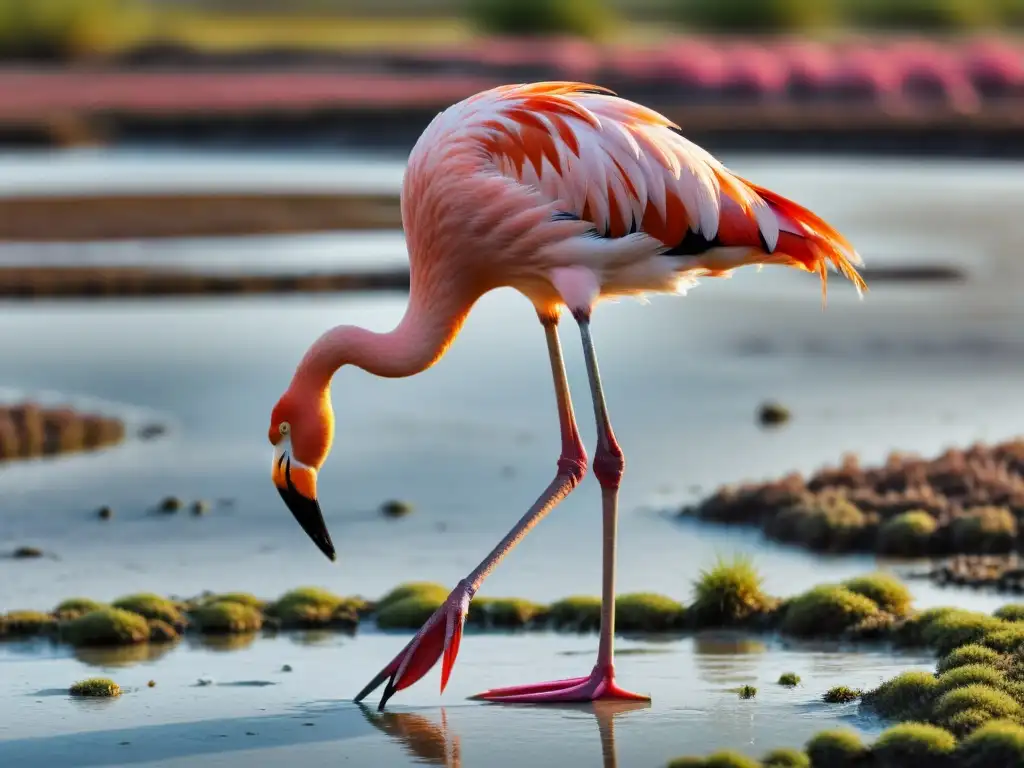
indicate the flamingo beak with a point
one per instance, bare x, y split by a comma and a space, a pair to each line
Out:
297, 485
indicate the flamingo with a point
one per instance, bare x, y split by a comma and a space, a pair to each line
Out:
569, 194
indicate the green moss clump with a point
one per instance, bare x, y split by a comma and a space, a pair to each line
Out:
999, 743
647, 612
687, 762
747, 692
729, 759
826, 610
841, 694
969, 654
728, 593
96, 687
789, 679
162, 632
908, 534
504, 612
837, 748
786, 758
956, 628
823, 523
913, 744
984, 530
1010, 612
242, 598
26, 624
911, 632
409, 613
312, 607
75, 607
886, 591
969, 674
977, 696
578, 613
908, 696
1006, 640
107, 626
878, 626
152, 606
414, 589
228, 618
967, 721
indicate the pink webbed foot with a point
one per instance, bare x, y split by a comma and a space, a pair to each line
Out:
440, 635
599, 685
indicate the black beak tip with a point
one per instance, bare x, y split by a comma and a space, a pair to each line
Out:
308, 514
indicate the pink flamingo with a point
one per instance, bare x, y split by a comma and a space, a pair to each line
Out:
569, 194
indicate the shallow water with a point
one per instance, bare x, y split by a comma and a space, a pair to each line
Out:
249, 709
470, 443
473, 440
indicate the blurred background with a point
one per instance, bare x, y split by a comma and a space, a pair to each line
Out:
191, 191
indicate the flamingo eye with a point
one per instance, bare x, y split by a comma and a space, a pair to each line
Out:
284, 428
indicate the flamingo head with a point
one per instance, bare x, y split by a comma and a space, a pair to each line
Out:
301, 431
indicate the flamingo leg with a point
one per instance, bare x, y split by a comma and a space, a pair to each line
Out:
609, 464
443, 631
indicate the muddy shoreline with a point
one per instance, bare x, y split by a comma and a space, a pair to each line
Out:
106, 217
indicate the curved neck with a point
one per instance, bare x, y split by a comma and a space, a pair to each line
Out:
430, 324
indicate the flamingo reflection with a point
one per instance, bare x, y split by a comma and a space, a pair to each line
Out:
434, 743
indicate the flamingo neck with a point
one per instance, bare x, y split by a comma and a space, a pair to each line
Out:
430, 324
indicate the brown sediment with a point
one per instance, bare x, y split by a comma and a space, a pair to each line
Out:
965, 501
104, 217
120, 282
1000, 573
28, 430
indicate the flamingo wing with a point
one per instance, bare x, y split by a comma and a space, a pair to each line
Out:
625, 169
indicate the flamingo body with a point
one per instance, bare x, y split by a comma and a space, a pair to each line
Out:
534, 186
570, 195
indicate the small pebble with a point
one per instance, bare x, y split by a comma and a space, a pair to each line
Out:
286, 668
395, 508
150, 431
105, 513
250, 733
151, 683
24, 553
200, 507
170, 505
773, 414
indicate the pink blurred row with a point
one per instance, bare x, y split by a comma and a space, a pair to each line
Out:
958, 74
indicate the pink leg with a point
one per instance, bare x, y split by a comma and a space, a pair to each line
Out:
609, 464
443, 631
